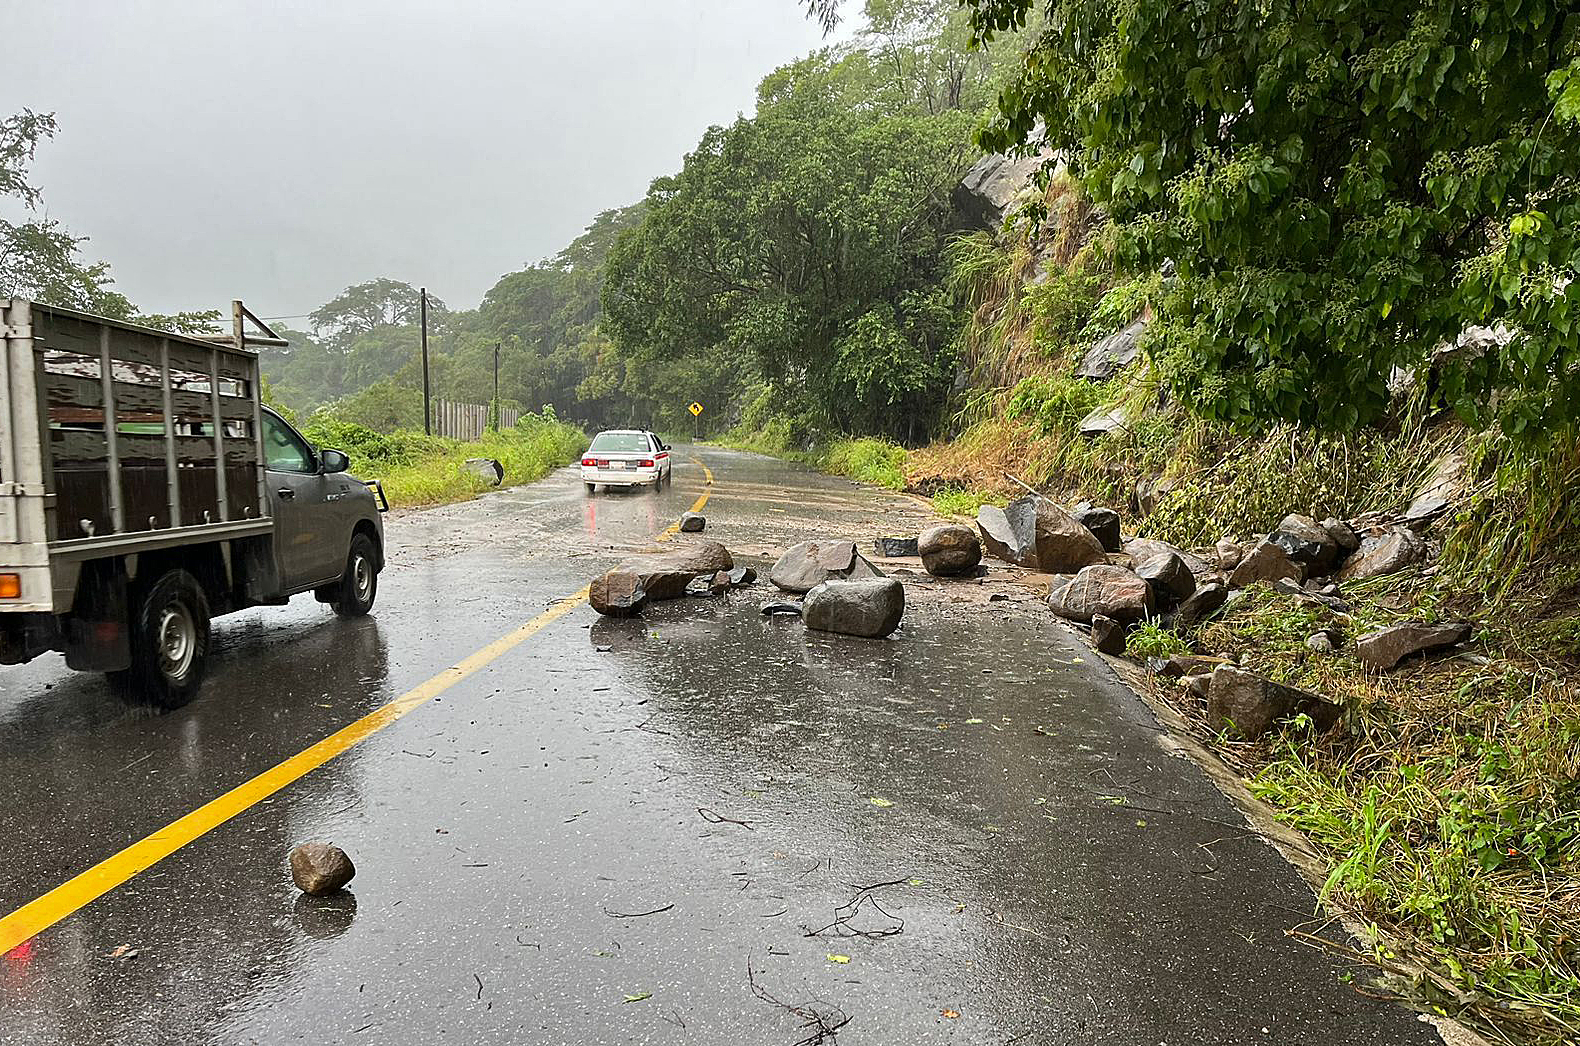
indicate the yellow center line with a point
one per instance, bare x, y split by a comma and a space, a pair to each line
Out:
81, 890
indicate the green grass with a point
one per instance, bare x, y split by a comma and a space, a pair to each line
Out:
960, 502
873, 461
418, 470
1448, 803
1150, 639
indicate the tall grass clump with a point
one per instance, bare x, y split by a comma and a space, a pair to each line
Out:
873, 461
419, 470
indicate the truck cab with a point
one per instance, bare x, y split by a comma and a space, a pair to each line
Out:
145, 489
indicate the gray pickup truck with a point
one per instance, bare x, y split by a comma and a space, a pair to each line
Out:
145, 489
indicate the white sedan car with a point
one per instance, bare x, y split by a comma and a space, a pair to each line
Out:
626, 458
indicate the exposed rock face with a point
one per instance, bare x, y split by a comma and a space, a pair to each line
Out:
1472, 343
895, 547
1249, 705
1063, 544
319, 868
1108, 635
1103, 589
1443, 484
1168, 576
486, 469
1010, 533
1112, 354
1386, 647
1103, 523
1343, 535
1320, 643
692, 522
805, 566
1386, 552
993, 186
1103, 420
743, 576
1306, 541
870, 607
617, 594
1266, 562
949, 550
1199, 606
780, 607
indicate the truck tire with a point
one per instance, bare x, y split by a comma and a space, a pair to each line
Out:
359, 585
592, 488
169, 641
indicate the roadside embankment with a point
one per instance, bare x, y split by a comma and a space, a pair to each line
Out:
419, 470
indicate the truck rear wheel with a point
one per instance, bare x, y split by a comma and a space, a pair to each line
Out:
359, 585
169, 641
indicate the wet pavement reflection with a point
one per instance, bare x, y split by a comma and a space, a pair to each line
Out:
969, 833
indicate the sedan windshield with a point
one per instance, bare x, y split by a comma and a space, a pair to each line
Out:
620, 443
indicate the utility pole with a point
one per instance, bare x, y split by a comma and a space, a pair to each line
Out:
427, 410
496, 386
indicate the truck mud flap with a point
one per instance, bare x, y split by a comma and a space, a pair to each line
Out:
97, 638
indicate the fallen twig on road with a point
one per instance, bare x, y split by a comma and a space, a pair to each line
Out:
716, 818
823, 1023
637, 915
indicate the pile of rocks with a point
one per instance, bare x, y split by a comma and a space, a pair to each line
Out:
1113, 582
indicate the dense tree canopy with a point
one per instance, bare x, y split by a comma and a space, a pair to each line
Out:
802, 245
1339, 185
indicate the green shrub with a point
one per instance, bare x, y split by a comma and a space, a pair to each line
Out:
872, 461
1055, 402
958, 501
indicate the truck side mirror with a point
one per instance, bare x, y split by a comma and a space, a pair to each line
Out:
333, 461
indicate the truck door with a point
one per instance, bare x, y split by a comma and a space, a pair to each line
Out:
305, 539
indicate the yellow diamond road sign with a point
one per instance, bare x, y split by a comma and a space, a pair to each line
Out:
695, 408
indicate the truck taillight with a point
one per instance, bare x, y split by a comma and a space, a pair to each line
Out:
10, 586
589, 461
645, 463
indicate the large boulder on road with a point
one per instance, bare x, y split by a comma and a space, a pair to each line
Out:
1010, 533
806, 565
319, 868
949, 550
870, 607
1102, 589
1064, 544
661, 576
617, 594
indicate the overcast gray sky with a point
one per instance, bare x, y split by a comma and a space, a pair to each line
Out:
280, 150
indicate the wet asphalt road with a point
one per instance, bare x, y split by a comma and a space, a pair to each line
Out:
1052, 874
